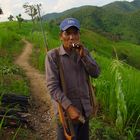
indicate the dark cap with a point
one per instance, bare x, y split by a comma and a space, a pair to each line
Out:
69, 22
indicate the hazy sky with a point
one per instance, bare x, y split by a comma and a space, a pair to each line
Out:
14, 7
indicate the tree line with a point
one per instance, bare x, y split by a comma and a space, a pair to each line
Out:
1, 12
30, 9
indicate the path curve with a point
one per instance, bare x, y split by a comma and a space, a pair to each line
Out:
41, 112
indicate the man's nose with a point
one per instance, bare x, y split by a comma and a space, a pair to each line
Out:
71, 36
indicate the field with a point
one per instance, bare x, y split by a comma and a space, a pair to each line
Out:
117, 88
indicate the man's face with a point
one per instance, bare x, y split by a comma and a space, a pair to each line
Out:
71, 35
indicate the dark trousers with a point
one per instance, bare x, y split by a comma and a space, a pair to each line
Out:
81, 131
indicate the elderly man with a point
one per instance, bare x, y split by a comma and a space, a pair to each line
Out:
77, 65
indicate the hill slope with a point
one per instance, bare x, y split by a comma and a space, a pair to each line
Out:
118, 20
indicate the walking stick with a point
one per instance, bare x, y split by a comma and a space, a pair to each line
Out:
92, 95
68, 132
64, 117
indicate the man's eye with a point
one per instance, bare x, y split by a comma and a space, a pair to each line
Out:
66, 33
69, 33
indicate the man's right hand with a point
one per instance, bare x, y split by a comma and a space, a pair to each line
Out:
73, 112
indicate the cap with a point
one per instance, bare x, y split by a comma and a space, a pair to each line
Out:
69, 22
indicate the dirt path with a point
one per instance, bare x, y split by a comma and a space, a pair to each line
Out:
41, 115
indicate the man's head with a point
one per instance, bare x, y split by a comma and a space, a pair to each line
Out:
69, 22
69, 31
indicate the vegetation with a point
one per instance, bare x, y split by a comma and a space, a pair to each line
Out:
31, 10
117, 88
1, 12
114, 91
12, 78
117, 93
11, 18
19, 19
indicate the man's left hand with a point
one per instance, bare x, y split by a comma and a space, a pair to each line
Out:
80, 49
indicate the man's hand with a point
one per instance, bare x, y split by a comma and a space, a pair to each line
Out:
80, 49
73, 112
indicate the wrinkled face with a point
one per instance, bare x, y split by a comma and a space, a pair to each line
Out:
71, 35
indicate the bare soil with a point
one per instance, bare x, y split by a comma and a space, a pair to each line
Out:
41, 110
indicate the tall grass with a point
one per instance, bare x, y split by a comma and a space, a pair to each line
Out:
16, 133
118, 92
39, 50
121, 114
11, 77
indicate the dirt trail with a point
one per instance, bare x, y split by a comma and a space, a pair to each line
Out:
41, 112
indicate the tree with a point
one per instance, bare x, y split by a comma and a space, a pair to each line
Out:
19, 19
31, 10
11, 18
1, 12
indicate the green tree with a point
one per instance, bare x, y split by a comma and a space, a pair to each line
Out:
19, 19
11, 18
1, 12
31, 10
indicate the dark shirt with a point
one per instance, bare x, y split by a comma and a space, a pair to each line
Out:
75, 74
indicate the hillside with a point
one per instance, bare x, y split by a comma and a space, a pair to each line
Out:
123, 6
118, 20
117, 88
128, 52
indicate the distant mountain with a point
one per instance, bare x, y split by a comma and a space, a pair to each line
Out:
117, 20
53, 16
123, 6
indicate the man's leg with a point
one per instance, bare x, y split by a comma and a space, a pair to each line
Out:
83, 132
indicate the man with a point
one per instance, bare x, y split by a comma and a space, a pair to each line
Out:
77, 65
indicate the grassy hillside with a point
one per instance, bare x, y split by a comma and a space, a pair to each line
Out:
12, 78
117, 88
127, 52
122, 6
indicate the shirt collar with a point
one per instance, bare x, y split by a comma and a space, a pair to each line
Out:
62, 51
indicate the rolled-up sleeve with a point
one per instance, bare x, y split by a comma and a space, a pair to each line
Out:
90, 65
53, 82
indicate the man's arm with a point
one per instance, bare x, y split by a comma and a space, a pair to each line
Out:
54, 87
53, 82
89, 63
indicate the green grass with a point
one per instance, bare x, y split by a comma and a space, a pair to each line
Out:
109, 87
128, 52
11, 77
118, 94
94, 41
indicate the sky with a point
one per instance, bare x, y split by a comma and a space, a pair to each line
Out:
15, 7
